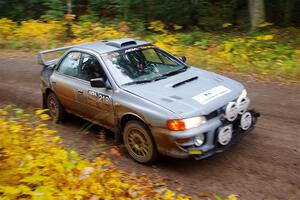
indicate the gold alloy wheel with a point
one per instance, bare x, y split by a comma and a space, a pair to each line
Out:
56, 110
53, 107
139, 143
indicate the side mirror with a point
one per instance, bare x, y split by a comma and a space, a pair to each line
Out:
182, 59
98, 83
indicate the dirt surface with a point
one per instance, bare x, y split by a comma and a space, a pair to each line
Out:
264, 165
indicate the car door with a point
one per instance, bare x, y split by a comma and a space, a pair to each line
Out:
64, 81
96, 102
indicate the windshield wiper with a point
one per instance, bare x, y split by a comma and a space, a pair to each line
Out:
176, 71
138, 82
147, 80
159, 77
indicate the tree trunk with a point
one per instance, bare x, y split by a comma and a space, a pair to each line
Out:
288, 12
69, 11
257, 13
69, 7
125, 9
235, 11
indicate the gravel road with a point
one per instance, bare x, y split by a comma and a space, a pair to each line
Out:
264, 165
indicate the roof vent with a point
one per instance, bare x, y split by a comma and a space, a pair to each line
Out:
121, 42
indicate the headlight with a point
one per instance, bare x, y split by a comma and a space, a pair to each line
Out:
244, 94
184, 124
199, 140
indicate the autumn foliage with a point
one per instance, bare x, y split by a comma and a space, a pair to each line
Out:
34, 165
270, 51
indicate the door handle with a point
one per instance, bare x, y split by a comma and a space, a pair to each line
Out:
80, 91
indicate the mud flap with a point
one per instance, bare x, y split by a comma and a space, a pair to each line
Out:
118, 136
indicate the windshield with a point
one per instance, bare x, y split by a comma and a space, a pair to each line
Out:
141, 64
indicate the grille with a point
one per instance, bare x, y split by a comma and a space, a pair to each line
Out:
213, 114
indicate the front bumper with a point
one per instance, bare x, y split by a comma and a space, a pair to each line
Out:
167, 140
218, 149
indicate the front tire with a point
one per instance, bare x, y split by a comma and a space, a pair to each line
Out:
139, 142
56, 109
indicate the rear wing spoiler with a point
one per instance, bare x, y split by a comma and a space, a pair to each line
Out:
41, 59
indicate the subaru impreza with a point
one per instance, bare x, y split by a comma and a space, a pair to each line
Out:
151, 100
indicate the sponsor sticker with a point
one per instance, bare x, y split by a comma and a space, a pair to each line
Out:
212, 94
147, 47
110, 55
132, 49
139, 48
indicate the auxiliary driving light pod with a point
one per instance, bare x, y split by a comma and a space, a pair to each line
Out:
242, 104
246, 121
231, 111
225, 134
199, 140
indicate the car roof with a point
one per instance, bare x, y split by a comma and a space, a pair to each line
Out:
99, 47
111, 45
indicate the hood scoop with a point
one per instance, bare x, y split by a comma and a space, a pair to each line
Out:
185, 81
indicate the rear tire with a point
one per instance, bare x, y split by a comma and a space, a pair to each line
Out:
56, 109
139, 142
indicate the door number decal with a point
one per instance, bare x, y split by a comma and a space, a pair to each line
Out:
100, 97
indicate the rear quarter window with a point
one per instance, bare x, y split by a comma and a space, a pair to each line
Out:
70, 64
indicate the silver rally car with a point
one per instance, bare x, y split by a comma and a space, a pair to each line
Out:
151, 100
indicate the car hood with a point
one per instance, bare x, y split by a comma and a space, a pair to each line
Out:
191, 93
